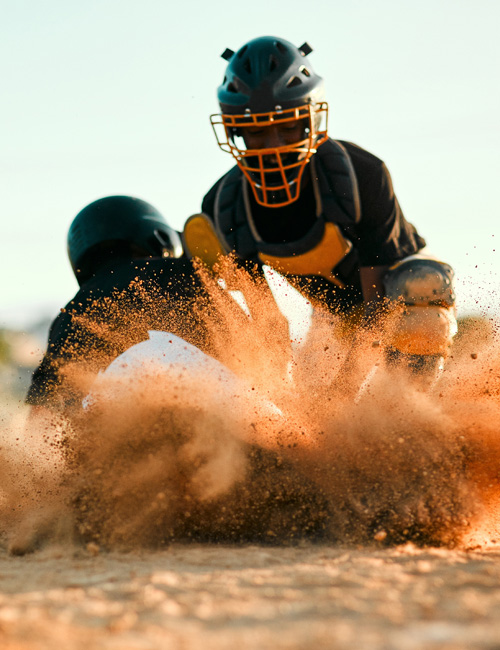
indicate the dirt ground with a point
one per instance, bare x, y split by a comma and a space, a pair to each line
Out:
80, 595
210, 596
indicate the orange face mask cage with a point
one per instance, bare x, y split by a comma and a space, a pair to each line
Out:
254, 163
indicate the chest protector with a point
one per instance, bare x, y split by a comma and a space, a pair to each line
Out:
324, 247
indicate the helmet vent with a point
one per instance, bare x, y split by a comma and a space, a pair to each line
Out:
294, 81
305, 71
248, 66
305, 49
232, 88
281, 47
242, 51
227, 54
273, 63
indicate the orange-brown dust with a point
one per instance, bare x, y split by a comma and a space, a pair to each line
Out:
356, 454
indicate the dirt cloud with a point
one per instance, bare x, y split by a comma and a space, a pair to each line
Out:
168, 459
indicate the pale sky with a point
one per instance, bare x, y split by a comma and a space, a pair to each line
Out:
113, 97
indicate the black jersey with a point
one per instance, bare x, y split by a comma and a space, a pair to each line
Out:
380, 236
112, 311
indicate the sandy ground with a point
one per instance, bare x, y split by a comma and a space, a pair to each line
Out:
251, 597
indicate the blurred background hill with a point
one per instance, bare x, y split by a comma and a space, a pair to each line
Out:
20, 352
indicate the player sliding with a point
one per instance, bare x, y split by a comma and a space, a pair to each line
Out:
130, 265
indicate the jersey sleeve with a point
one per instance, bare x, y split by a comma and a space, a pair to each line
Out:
384, 236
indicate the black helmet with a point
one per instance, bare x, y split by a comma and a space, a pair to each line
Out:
268, 73
268, 82
118, 226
